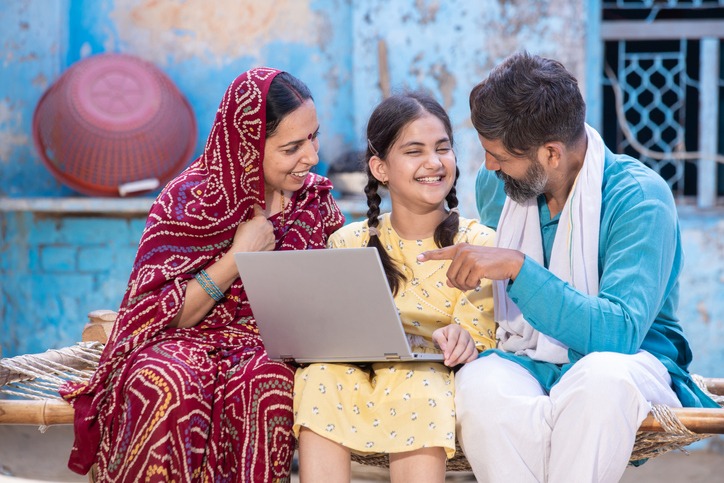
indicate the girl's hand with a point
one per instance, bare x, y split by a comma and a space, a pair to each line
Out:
456, 343
255, 235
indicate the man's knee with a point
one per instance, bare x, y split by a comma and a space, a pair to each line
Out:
603, 370
600, 381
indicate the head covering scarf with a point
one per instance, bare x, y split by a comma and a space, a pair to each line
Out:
192, 224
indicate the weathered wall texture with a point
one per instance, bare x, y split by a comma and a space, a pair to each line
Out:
202, 46
701, 304
169, 31
56, 267
447, 47
32, 39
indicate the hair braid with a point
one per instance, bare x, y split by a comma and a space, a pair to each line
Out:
448, 228
393, 273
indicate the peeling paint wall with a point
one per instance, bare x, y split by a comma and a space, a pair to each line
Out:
202, 46
216, 33
32, 38
55, 269
447, 47
12, 135
701, 303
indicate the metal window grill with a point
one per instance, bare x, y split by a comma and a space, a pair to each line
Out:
656, 6
663, 64
654, 105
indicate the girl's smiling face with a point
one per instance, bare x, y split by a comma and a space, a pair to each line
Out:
419, 168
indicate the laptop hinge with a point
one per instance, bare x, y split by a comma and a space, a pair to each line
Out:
392, 356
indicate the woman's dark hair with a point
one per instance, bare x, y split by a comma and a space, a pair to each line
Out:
527, 101
386, 123
286, 93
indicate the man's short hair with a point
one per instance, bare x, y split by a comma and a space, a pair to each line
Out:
527, 101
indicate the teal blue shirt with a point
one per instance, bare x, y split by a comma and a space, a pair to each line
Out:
640, 259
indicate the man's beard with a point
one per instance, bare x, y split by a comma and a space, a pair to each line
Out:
531, 186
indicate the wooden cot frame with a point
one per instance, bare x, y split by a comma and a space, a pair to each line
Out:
49, 412
664, 429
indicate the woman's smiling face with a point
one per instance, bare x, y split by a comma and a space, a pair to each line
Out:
291, 151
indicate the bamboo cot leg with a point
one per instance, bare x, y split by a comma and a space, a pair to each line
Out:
41, 412
696, 420
715, 385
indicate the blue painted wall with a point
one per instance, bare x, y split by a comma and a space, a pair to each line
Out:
57, 267
58, 264
444, 47
202, 46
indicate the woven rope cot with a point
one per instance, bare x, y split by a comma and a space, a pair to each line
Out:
663, 430
29, 385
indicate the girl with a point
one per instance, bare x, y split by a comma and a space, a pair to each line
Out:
405, 410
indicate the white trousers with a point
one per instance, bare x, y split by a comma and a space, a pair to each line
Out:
584, 431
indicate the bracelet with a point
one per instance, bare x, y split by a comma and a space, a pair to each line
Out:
209, 286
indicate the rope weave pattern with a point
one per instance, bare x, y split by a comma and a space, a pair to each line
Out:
38, 376
652, 444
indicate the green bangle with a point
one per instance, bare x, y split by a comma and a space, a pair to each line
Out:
209, 286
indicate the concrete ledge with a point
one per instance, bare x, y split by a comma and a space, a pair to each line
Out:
139, 205
357, 206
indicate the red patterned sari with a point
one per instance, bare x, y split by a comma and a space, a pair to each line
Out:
201, 403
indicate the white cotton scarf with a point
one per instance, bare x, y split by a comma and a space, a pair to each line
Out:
574, 257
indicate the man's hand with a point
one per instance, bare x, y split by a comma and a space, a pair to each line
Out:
471, 263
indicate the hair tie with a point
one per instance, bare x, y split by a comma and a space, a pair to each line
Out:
372, 148
453, 210
373, 231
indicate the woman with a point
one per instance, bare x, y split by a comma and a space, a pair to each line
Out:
184, 390
403, 409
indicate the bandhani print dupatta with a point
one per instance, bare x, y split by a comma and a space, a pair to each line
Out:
191, 225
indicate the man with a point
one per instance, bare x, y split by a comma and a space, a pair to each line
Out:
586, 289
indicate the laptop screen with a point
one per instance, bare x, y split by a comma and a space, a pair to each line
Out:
327, 305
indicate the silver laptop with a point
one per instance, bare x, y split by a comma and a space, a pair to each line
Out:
327, 305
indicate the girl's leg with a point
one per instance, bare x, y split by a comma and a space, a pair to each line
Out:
422, 465
321, 459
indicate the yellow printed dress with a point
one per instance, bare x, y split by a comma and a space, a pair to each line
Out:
393, 407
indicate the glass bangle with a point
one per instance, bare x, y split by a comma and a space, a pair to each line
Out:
209, 286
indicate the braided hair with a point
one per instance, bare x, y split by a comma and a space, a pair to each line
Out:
386, 123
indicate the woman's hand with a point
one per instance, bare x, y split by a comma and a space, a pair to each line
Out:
456, 343
255, 235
